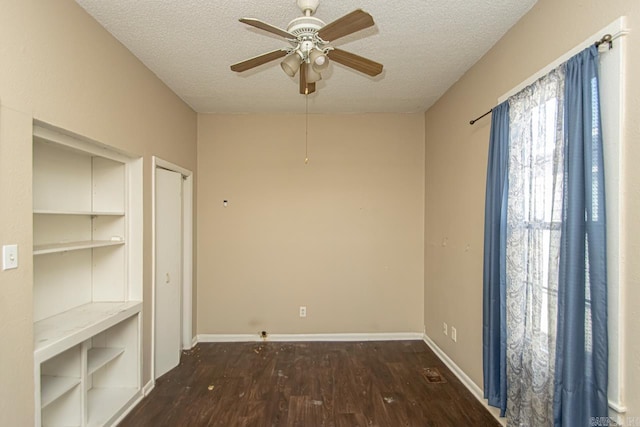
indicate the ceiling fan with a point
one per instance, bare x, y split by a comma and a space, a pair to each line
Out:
310, 49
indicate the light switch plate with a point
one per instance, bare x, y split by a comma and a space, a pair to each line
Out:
9, 257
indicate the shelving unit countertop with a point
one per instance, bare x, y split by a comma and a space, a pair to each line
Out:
62, 331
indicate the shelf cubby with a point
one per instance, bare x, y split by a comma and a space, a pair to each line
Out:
52, 387
104, 402
98, 357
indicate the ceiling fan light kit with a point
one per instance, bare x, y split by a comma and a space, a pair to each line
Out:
291, 63
318, 60
312, 75
310, 48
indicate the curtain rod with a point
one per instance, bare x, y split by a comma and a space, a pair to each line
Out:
478, 118
607, 38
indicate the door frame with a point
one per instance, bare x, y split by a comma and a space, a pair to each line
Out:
187, 256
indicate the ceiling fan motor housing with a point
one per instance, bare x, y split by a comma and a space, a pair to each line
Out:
305, 28
305, 25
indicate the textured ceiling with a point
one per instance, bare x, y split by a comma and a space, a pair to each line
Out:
425, 46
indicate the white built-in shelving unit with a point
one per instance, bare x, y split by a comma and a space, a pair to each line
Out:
87, 295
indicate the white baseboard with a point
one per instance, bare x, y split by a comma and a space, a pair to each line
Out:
383, 336
194, 341
129, 407
227, 338
148, 387
464, 378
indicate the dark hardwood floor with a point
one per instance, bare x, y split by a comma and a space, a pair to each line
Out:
394, 383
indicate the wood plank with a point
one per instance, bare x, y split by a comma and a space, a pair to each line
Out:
309, 384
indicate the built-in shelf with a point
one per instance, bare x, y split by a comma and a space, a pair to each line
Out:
104, 402
56, 212
53, 387
97, 357
59, 332
87, 279
74, 246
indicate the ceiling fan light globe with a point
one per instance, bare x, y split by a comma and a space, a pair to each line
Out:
291, 64
319, 61
312, 75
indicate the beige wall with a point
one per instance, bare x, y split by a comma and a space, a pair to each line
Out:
456, 156
342, 235
59, 66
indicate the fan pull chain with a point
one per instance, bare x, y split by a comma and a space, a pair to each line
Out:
306, 130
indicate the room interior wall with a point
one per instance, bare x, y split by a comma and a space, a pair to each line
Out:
341, 235
456, 157
61, 67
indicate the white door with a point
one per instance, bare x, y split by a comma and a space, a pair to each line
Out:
168, 286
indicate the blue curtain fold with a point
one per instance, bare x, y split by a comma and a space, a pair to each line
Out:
581, 376
494, 327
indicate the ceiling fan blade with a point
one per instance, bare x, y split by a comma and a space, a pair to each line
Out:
305, 87
267, 27
356, 62
349, 23
258, 60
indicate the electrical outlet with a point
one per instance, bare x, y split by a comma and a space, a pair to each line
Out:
454, 335
303, 311
444, 328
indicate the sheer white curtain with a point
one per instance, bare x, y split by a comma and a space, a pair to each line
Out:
534, 217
